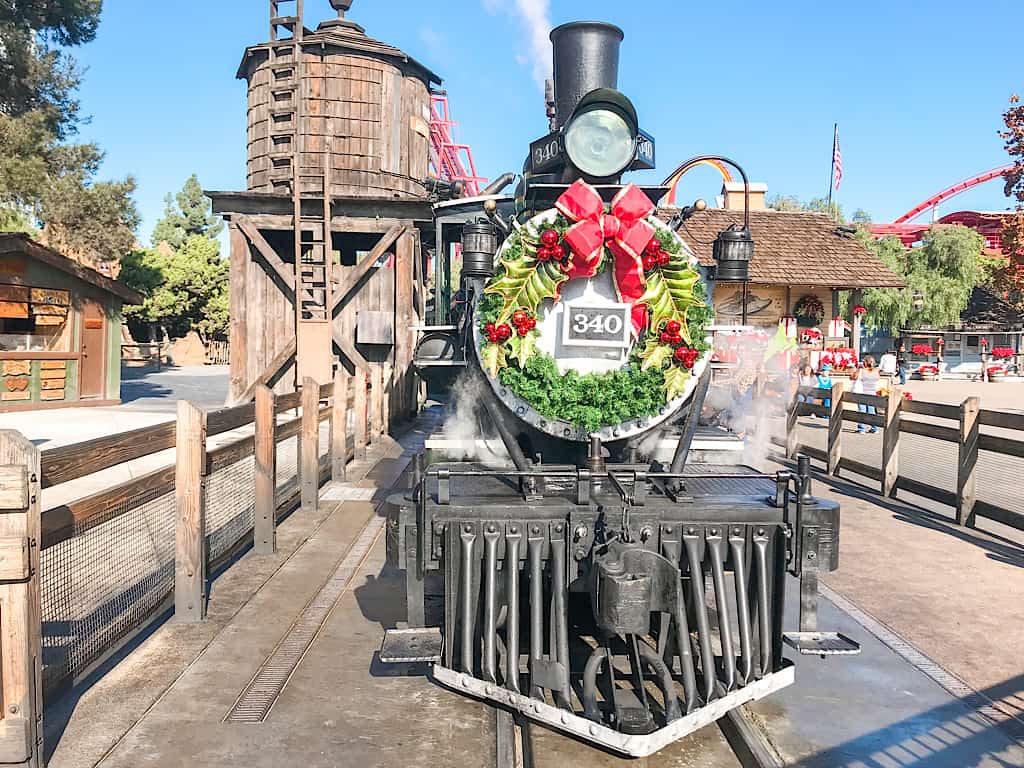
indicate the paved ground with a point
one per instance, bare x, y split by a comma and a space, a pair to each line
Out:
941, 588
145, 389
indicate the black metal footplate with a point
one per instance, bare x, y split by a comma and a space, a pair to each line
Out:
406, 646
821, 643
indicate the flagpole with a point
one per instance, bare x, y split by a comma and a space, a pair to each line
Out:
832, 163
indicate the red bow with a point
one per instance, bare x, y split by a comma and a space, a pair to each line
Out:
624, 231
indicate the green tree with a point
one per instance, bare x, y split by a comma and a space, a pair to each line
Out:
184, 290
945, 268
814, 205
45, 183
37, 75
186, 214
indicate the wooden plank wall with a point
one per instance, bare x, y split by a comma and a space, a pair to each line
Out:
263, 319
377, 117
270, 324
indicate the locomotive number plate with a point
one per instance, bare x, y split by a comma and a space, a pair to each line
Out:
593, 326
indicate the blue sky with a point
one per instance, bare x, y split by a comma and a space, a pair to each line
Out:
917, 87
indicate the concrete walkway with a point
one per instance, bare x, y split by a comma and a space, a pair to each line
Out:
949, 592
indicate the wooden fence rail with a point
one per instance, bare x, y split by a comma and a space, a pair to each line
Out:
890, 417
25, 532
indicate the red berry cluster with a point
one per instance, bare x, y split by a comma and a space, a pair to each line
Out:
670, 334
523, 322
654, 256
551, 249
497, 333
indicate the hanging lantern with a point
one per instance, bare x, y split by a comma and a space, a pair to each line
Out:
918, 301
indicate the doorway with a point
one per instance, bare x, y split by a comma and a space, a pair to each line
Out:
92, 377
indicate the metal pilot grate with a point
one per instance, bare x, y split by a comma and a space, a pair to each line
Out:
256, 701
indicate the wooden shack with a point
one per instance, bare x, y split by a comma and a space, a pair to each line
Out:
326, 264
60, 329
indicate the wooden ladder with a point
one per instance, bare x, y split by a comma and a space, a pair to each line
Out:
312, 232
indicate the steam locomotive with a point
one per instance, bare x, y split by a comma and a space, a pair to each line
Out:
585, 583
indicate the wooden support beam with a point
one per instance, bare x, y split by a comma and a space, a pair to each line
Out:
281, 359
376, 402
835, 427
265, 528
348, 349
309, 445
21, 671
891, 442
270, 257
238, 334
190, 524
967, 463
360, 413
405, 314
354, 274
339, 426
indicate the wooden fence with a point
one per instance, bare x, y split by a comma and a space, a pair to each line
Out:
894, 416
80, 579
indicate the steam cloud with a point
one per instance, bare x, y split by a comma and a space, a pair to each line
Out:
535, 16
462, 427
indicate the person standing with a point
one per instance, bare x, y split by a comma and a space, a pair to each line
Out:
825, 382
867, 384
901, 364
887, 365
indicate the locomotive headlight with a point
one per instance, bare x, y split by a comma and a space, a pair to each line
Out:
600, 138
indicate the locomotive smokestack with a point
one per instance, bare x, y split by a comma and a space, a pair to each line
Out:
586, 57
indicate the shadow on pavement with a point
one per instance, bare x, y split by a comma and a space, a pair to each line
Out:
941, 737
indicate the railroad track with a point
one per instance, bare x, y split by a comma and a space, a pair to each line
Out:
515, 747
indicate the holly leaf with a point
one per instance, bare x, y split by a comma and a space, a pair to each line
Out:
523, 347
493, 358
525, 283
670, 293
675, 382
654, 355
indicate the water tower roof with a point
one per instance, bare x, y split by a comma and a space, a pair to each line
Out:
344, 35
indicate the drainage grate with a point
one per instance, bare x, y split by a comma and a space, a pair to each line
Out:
256, 701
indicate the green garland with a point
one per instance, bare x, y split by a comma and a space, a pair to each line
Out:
591, 400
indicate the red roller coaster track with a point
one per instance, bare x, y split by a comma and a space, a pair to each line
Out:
909, 232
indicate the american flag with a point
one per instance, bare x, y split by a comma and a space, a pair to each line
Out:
837, 160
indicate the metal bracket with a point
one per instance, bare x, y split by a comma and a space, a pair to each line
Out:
444, 486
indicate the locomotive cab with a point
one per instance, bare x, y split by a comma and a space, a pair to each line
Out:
620, 599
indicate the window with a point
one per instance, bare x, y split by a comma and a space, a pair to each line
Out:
34, 319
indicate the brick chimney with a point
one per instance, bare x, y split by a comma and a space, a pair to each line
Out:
732, 195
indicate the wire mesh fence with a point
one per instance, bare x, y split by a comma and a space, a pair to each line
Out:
928, 461
287, 481
230, 507
104, 582
999, 480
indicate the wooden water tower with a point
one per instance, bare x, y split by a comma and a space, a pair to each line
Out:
326, 265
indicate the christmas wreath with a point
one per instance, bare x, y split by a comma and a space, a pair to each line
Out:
652, 270
809, 311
